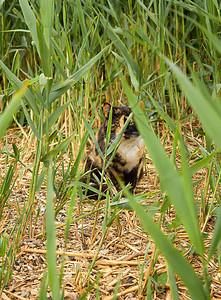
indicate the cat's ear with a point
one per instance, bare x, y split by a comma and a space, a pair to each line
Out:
106, 109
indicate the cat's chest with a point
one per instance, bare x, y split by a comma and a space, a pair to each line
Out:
131, 152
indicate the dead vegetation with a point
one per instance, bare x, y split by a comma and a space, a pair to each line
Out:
127, 258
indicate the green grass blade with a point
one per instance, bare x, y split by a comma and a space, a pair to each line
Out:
55, 115
188, 188
179, 264
43, 51
202, 163
149, 13
18, 84
90, 130
81, 18
171, 181
30, 122
43, 288
132, 66
116, 141
173, 286
207, 109
47, 14
60, 88
216, 236
163, 114
71, 208
60, 147
7, 115
60, 53
30, 20
44, 33
51, 238
75, 167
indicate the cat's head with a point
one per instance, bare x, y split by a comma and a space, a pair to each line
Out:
119, 117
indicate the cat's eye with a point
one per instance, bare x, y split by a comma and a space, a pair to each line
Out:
117, 124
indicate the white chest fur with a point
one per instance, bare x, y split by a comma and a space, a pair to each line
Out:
131, 151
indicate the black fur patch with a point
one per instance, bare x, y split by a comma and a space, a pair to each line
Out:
121, 167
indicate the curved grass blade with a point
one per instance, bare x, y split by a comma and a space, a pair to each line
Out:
202, 163
18, 84
48, 156
7, 115
60, 88
170, 179
179, 264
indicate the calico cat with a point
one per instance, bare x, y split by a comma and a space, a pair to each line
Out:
127, 163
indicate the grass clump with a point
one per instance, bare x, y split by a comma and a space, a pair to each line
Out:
58, 65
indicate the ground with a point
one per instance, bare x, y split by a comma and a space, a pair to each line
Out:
128, 255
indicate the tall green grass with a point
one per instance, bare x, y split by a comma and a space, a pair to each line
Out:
65, 60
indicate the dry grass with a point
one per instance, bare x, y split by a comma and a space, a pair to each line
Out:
122, 253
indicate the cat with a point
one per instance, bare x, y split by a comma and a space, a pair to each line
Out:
127, 163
